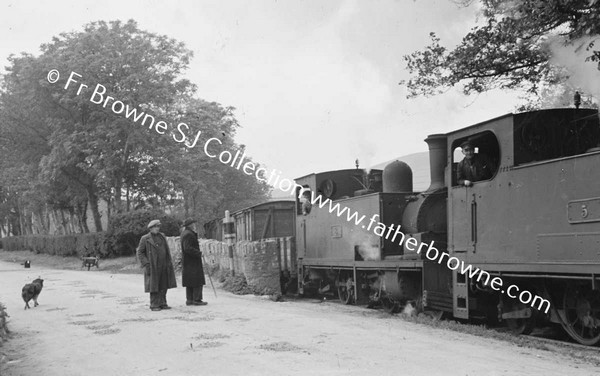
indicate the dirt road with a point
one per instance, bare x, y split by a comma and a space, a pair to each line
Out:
97, 323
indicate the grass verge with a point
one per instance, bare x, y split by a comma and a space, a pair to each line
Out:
127, 265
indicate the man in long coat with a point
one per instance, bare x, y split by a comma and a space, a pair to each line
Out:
192, 274
155, 258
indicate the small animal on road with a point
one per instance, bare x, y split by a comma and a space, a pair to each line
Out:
32, 291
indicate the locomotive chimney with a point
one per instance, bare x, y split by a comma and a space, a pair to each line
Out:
437, 160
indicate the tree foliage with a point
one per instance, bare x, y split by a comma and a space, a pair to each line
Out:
63, 153
509, 50
125, 230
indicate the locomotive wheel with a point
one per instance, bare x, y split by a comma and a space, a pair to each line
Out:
520, 326
582, 315
523, 325
346, 291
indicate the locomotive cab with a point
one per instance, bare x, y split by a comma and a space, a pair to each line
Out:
535, 223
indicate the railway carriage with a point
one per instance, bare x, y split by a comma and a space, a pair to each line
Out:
271, 219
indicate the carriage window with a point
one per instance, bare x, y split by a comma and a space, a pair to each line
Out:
475, 158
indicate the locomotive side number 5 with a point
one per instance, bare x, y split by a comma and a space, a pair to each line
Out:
584, 211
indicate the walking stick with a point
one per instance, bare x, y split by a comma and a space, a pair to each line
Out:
210, 279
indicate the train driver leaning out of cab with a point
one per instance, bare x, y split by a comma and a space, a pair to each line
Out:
474, 167
305, 201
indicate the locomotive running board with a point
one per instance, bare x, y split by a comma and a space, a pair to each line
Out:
460, 295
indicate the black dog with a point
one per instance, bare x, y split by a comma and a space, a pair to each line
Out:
32, 291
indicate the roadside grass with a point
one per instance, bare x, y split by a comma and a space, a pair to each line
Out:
587, 354
547, 338
128, 265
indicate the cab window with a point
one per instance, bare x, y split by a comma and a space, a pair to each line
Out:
303, 202
475, 158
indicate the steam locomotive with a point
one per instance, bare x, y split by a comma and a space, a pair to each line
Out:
535, 223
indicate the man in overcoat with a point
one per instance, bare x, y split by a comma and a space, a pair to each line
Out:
155, 258
192, 274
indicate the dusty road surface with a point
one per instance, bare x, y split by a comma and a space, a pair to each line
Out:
97, 323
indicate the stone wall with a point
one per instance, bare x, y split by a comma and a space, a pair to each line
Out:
256, 261
260, 262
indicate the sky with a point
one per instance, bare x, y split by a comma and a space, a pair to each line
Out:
314, 83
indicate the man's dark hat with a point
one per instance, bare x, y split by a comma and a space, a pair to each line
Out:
188, 222
465, 144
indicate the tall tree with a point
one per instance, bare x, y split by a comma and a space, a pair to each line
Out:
88, 143
510, 49
207, 186
77, 152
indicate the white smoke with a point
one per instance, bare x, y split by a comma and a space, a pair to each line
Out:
369, 252
583, 75
368, 245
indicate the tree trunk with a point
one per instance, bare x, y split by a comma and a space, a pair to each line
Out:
186, 202
35, 224
42, 224
57, 224
108, 207
93, 200
82, 208
118, 204
80, 221
72, 220
21, 227
63, 221
29, 223
47, 214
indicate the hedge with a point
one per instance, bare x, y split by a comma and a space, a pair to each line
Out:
125, 230
62, 245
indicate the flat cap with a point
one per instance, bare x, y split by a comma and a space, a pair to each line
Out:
154, 222
466, 143
188, 222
